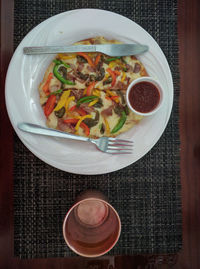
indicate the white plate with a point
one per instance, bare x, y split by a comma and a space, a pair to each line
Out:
26, 72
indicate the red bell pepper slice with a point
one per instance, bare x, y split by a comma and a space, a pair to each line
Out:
72, 108
50, 104
85, 128
71, 121
82, 125
117, 73
45, 88
87, 57
97, 59
114, 97
90, 88
113, 75
81, 111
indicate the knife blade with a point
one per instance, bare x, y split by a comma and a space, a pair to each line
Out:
108, 49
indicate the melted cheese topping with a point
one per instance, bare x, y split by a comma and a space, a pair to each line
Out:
112, 120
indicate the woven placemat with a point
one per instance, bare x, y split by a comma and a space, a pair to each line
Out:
146, 194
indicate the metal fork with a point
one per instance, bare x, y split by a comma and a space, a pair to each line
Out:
106, 144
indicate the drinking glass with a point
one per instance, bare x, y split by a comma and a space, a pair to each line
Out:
92, 226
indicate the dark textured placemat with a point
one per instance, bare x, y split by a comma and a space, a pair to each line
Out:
146, 194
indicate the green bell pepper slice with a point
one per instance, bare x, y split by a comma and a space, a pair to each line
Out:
120, 123
113, 59
58, 75
61, 62
56, 92
86, 99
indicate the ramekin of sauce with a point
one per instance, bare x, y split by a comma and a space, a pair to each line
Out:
144, 96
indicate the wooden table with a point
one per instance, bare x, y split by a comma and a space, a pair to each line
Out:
189, 66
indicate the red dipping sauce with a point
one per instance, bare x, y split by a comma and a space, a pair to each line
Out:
144, 97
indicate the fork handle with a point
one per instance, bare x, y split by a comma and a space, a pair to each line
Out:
37, 129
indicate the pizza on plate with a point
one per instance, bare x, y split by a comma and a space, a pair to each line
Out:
84, 93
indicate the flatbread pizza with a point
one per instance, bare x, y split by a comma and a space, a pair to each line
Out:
84, 93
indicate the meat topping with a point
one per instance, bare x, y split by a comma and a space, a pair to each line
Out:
107, 111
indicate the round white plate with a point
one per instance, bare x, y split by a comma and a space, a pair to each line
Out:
26, 72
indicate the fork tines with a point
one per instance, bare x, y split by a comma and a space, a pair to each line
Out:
119, 146
119, 140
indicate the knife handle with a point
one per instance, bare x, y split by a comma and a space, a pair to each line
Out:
58, 49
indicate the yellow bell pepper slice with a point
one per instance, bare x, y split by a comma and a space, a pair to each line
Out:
107, 126
112, 64
72, 98
63, 100
123, 77
90, 54
118, 62
81, 119
93, 102
96, 92
110, 93
66, 57
106, 76
115, 98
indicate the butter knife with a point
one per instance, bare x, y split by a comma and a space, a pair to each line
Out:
108, 49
